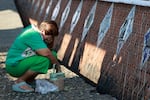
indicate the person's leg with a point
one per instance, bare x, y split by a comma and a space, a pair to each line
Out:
24, 78
38, 64
28, 76
28, 69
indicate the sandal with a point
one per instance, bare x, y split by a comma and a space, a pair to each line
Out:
18, 87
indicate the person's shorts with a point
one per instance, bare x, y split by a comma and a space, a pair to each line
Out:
36, 63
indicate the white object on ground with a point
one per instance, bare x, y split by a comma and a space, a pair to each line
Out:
44, 86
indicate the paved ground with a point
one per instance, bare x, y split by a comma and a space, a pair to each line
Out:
75, 88
10, 23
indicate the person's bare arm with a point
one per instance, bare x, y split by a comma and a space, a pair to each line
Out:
47, 53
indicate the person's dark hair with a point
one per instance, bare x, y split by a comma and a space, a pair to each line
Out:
54, 31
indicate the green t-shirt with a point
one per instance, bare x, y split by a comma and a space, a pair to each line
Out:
25, 45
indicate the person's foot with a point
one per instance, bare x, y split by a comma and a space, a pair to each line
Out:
22, 87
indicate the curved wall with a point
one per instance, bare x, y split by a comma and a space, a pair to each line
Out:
105, 42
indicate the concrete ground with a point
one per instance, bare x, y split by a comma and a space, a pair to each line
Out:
75, 88
10, 24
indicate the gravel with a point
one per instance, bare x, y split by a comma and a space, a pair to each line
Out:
75, 87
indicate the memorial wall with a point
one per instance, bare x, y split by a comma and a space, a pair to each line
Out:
106, 42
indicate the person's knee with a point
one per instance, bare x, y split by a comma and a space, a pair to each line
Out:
45, 61
41, 65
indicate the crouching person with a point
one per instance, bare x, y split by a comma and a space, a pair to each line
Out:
30, 55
